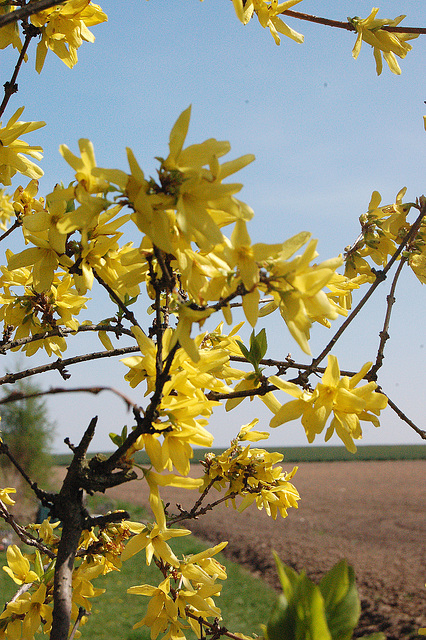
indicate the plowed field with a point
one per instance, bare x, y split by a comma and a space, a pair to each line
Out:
371, 513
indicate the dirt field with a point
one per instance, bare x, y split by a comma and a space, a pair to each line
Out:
373, 514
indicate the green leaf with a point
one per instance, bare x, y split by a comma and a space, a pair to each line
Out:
38, 564
115, 438
262, 343
282, 622
341, 600
244, 351
287, 576
299, 612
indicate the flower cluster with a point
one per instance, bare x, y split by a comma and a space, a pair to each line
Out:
64, 28
384, 43
251, 474
341, 396
382, 230
267, 12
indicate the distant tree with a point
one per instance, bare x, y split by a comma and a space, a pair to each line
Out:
27, 429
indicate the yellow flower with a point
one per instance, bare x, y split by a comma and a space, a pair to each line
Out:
64, 28
9, 34
297, 288
84, 166
267, 12
12, 150
333, 394
246, 432
182, 333
162, 610
4, 495
383, 42
19, 566
6, 209
196, 190
35, 610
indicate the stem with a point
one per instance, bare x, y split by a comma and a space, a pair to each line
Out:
403, 417
347, 25
384, 335
15, 225
28, 10
60, 365
69, 508
11, 87
380, 277
127, 313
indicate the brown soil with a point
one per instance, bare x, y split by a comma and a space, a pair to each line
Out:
371, 513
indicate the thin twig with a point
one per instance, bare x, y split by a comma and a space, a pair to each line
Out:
15, 225
60, 365
28, 10
215, 630
11, 87
62, 332
380, 277
384, 335
24, 536
19, 395
126, 312
190, 515
403, 417
81, 613
347, 25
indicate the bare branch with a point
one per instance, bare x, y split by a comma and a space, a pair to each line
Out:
347, 25
19, 395
403, 417
24, 536
60, 364
28, 10
5, 345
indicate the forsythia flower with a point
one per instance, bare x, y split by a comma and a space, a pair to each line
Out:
267, 12
36, 613
12, 150
63, 29
382, 229
6, 209
383, 42
4, 495
297, 288
251, 474
18, 566
9, 34
349, 404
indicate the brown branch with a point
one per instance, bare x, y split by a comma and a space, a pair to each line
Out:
69, 509
19, 395
190, 515
15, 225
60, 365
384, 335
41, 495
145, 423
28, 10
380, 277
215, 629
126, 312
347, 25
63, 331
24, 536
81, 613
403, 417
11, 87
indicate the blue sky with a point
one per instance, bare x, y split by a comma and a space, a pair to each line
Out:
325, 130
